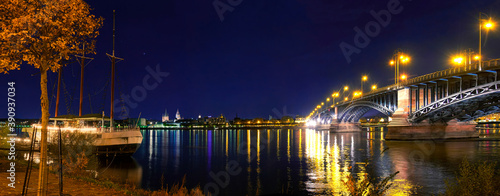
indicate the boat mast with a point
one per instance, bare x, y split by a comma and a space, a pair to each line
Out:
58, 91
113, 61
81, 59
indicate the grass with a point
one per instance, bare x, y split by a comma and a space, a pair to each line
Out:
178, 189
474, 179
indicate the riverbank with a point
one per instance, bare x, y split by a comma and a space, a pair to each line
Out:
78, 185
72, 186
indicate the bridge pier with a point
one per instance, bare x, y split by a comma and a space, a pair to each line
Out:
345, 127
400, 129
433, 131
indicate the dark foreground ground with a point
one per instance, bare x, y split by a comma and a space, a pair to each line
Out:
71, 186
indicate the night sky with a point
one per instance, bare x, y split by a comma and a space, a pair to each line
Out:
263, 57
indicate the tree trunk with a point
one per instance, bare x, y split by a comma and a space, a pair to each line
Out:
43, 172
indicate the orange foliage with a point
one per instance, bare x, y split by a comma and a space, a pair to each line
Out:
44, 33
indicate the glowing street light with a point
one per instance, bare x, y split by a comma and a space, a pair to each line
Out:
322, 103
458, 60
403, 77
363, 79
477, 57
346, 88
487, 25
374, 87
328, 99
346, 98
357, 93
398, 58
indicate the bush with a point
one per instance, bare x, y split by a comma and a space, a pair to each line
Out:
3, 134
368, 185
474, 179
77, 151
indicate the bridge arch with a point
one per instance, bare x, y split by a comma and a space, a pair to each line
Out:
356, 110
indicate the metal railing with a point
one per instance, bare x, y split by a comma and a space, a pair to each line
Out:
486, 65
117, 129
495, 63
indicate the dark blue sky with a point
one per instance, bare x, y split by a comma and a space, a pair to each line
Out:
264, 55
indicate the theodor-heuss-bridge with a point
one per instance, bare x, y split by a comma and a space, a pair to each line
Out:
439, 105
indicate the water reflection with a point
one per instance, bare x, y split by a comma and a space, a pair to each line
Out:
297, 161
121, 169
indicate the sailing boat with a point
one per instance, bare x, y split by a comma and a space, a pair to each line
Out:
109, 140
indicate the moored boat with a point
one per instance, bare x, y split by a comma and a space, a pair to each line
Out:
120, 140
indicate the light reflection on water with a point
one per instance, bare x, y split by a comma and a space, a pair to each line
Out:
300, 161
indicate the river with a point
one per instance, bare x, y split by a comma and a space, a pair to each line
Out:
295, 161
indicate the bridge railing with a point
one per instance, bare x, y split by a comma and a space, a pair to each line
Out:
495, 63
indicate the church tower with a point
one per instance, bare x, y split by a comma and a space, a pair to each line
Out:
178, 115
165, 117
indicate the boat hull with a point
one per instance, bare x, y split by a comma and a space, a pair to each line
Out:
119, 142
124, 142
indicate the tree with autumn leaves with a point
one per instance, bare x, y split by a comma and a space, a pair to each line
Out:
44, 34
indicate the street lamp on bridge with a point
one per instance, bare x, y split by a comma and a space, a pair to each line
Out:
334, 95
356, 94
465, 57
399, 57
487, 24
363, 79
403, 77
458, 60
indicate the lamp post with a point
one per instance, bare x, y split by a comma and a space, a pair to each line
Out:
487, 25
334, 95
398, 57
364, 78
